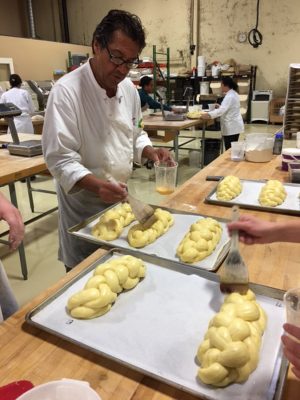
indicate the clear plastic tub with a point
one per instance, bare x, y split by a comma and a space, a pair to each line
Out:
294, 171
64, 389
259, 147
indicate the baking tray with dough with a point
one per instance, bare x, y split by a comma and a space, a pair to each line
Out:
248, 198
166, 245
156, 328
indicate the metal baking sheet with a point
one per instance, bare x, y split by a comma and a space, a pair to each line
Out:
249, 198
157, 327
165, 246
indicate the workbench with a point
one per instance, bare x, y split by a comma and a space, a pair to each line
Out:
156, 122
28, 353
12, 169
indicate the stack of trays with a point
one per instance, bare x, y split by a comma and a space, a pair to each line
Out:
292, 109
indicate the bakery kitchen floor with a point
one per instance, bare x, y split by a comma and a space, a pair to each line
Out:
41, 239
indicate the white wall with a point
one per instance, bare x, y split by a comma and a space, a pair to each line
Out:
279, 22
167, 23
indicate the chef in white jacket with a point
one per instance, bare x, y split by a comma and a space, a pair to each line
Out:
229, 112
93, 130
20, 98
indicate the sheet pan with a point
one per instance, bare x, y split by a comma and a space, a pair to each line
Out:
166, 245
249, 198
157, 327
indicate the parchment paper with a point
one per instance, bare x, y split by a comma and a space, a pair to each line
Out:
251, 191
165, 246
158, 326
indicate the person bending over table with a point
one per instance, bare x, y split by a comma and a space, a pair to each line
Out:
255, 231
93, 130
229, 112
147, 101
10, 214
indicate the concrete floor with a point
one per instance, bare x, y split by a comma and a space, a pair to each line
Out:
41, 240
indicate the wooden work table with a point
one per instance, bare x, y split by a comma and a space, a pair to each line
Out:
13, 168
155, 122
28, 353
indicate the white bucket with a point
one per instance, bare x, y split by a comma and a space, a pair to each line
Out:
201, 70
204, 88
259, 147
64, 389
201, 61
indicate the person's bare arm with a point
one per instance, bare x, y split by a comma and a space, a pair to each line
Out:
253, 230
12, 216
108, 192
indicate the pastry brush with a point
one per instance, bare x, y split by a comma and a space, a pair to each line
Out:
234, 274
142, 211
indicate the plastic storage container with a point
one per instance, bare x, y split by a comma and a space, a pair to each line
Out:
294, 171
64, 389
259, 147
289, 155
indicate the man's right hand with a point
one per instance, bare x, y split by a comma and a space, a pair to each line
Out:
110, 192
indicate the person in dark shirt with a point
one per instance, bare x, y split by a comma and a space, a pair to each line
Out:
146, 84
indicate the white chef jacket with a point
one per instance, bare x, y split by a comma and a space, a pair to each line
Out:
87, 132
230, 114
20, 98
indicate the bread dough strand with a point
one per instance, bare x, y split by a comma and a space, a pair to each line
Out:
101, 290
230, 350
201, 240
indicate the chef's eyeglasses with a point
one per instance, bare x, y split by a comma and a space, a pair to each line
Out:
120, 61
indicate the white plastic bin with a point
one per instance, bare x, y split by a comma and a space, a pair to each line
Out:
64, 389
259, 147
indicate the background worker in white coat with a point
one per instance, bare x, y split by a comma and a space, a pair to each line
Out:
20, 98
229, 112
93, 130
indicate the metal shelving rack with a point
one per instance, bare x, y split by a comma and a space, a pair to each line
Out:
291, 121
157, 71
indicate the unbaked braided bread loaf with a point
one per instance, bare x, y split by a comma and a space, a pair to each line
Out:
231, 346
272, 194
200, 241
101, 290
112, 222
229, 188
140, 237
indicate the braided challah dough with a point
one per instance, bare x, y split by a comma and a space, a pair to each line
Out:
140, 237
229, 188
272, 194
112, 222
101, 290
200, 241
230, 350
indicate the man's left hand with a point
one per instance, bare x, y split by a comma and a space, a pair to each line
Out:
159, 154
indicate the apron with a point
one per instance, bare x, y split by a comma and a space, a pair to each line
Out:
116, 160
